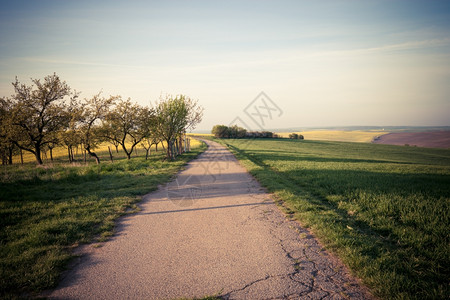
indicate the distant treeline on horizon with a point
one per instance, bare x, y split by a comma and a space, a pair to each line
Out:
353, 128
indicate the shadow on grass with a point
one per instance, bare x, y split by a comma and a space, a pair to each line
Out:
390, 228
46, 211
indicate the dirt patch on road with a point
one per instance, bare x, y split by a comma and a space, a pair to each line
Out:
432, 139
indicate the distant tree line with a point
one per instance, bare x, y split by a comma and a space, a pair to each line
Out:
236, 132
296, 136
48, 113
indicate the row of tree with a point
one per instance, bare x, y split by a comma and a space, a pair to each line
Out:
49, 113
296, 136
236, 132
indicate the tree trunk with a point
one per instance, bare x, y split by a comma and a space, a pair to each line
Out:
110, 154
10, 155
125, 150
68, 154
169, 147
21, 156
175, 149
181, 145
51, 154
93, 154
146, 152
37, 154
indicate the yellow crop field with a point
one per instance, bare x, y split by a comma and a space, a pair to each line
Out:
102, 151
358, 136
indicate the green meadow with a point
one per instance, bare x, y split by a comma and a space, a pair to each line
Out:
384, 210
46, 211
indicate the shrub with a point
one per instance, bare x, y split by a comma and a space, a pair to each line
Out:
296, 136
220, 131
236, 132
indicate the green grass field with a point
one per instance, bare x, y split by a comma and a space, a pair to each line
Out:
46, 211
384, 210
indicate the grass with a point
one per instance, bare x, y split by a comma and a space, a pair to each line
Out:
384, 210
359, 136
46, 211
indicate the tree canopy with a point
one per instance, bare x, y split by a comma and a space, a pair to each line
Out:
174, 116
48, 113
38, 112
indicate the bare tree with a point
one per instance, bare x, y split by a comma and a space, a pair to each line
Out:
38, 111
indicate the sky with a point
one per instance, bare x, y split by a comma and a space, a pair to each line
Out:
257, 64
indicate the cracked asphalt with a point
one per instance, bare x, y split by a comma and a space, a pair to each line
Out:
211, 231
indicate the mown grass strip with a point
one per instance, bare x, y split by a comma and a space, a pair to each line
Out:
383, 209
46, 211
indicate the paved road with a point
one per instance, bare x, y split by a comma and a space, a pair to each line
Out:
213, 230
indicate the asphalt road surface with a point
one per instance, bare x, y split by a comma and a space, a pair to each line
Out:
212, 231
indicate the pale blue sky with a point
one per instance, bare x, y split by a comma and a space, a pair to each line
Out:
324, 63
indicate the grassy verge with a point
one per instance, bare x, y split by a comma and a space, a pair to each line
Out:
46, 211
383, 209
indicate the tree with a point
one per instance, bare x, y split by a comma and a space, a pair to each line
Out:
220, 131
7, 147
90, 114
147, 144
70, 138
152, 138
38, 111
296, 136
234, 131
128, 122
50, 146
293, 136
237, 132
70, 135
174, 117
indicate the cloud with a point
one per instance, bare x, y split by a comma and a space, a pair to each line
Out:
277, 57
410, 45
74, 62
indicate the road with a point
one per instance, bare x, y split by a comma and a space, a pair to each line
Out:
212, 231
